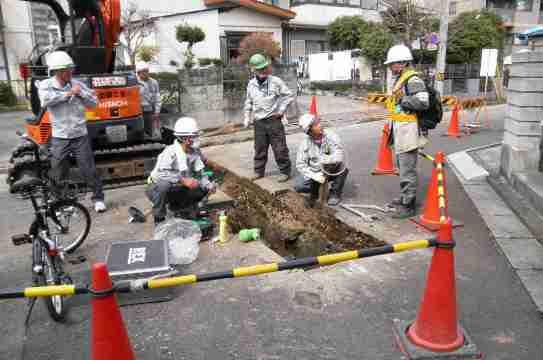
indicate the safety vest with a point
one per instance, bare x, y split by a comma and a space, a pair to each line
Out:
395, 113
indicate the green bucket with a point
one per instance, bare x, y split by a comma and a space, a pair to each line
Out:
247, 235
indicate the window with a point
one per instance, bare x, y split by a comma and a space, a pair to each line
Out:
519, 5
452, 8
364, 4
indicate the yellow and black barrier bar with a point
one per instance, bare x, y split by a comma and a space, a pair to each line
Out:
426, 156
377, 98
449, 100
144, 284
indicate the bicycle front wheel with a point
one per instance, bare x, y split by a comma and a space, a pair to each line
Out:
55, 304
69, 222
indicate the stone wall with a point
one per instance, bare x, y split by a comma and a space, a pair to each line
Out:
522, 136
215, 96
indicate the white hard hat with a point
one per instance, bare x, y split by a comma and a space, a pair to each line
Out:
141, 65
186, 126
306, 121
398, 53
59, 60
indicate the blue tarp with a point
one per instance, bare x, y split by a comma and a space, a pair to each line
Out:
531, 33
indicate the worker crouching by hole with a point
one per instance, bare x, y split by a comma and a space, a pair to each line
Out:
178, 179
320, 157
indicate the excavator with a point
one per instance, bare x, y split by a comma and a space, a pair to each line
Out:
89, 32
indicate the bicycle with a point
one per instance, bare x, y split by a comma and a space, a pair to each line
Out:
60, 225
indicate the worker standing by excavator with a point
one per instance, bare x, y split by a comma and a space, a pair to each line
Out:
65, 99
150, 100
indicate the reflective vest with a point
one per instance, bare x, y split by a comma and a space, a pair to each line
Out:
394, 110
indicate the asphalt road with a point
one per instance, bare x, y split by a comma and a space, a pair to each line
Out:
9, 123
330, 314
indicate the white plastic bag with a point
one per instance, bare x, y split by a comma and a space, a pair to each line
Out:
183, 237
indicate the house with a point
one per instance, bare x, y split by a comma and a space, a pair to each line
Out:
15, 40
306, 33
225, 23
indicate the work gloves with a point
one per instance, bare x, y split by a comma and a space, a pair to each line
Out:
319, 177
246, 120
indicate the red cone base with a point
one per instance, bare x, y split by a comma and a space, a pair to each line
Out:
109, 339
436, 327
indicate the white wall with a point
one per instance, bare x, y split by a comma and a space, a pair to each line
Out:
170, 49
166, 7
18, 35
322, 15
242, 19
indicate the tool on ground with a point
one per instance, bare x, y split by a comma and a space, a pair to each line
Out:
366, 218
247, 235
135, 215
386, 209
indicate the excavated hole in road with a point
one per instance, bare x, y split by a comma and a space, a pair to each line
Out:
287, 227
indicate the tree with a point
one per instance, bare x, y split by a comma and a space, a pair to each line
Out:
147, 53
344, 32
261, 43
375, 41
472, 31
407, 21
191, 35
136, 25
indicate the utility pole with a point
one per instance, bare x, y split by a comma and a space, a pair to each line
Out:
442, 52
3, 45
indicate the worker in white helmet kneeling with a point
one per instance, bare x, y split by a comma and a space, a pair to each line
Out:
320, 157
178, 179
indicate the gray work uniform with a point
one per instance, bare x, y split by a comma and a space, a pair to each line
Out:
151, 103
308, 163
264, 99
69, 131
165, 187
408, 138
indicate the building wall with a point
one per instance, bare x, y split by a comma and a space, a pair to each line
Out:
245, 20
18, 35
322, 15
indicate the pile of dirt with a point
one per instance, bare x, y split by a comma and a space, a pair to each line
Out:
288, 227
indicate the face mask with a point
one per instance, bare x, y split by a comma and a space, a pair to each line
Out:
196, 143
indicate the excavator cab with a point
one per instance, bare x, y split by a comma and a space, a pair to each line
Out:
89, 31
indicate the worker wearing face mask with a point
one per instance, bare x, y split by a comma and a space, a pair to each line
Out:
178, 178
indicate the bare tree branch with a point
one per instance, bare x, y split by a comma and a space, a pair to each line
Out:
137, 24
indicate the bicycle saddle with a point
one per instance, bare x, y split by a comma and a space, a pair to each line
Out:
27, 182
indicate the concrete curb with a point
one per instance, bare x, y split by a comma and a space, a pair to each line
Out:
521, 248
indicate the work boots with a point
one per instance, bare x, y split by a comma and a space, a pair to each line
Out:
404, 211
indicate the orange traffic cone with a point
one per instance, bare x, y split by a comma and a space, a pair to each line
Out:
436, 330
313, 107
109, 339
454, 130
385, 165
436, 208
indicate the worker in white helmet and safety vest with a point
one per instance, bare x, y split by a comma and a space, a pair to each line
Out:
409, 96
151, 103
178, 178
65, 99
320, 156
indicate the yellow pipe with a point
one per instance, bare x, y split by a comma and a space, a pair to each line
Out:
411, 245
335, 258
255, 270
49, 290
177, 280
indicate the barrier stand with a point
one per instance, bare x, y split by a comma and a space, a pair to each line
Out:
436, 333
436, 207
110, 341
478, 103
143, 284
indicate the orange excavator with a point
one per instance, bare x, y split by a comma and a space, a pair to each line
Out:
89, 32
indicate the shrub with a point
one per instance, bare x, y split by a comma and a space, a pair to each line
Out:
261, 43
209, 61
147, 53
7, 96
